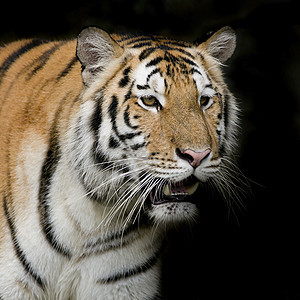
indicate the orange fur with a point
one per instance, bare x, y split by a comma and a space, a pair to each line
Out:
28, 106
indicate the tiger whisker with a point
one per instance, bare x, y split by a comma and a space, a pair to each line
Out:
143, 197
115, 194
120, 203
117, 206
140, 201
229, 190
115, 162
113, 178
137, 188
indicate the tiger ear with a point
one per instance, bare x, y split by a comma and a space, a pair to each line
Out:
221, 44
95, 48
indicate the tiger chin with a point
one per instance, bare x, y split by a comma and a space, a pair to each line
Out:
104, 142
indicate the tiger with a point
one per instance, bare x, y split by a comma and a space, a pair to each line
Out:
105, 140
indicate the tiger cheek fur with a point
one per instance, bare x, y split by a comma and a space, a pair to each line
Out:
104, 141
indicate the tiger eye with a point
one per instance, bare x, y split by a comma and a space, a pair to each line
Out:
149, 101
204, 100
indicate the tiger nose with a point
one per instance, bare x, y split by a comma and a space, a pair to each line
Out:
193, 157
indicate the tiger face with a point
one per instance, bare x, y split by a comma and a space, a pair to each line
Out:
158, 118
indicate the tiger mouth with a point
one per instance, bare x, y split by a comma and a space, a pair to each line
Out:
180, 191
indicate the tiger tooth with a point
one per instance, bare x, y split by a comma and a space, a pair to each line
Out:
167, 190
192, 189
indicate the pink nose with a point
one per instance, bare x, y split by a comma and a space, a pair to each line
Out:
195, 158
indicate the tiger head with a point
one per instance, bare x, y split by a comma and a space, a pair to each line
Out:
156, 120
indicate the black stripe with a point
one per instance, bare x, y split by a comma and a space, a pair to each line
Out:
143, 87
140, 45
67, 69
171, 58
100, 158
48, 169
129, 136
166, 85
96, 118
128, 95
126, 119
154, 61
184, 52
193, 70
157, 70
113, 143
179, 44
188, 61
168, 55
146, 53
19, 252
115, 239
139, 39
167, 47
170, 71
150, 263
113, 114
43, 59
102, 162
18, 53
126, 37
138, 146
125, 80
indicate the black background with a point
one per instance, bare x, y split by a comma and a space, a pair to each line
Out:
253, 254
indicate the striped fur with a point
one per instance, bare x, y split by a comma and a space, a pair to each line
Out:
92, 131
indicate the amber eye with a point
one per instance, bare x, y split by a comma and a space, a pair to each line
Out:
204, 101
149, 100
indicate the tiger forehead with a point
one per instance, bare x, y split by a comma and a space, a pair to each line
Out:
157, 65
161, 49
150, 41
162, 70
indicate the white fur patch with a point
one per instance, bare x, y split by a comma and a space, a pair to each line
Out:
172, 213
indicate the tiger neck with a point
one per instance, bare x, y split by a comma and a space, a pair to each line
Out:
88, 224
